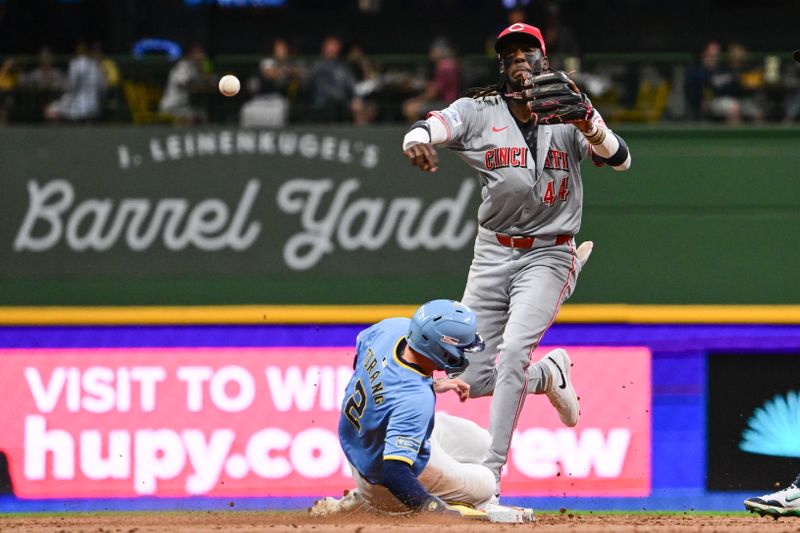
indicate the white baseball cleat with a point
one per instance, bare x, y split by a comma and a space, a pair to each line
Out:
562, 394
584, 251
784, 502
506, 514
349, 502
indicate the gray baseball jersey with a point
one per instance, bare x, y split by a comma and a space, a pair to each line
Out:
523, 193
516, 292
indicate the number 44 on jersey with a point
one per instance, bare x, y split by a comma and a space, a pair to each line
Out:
563, 191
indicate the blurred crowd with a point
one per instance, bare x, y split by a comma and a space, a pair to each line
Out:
75, 94
732, 88
343, 84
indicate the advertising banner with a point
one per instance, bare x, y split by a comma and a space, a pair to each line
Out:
152, 215
126, 422
753, 421
226, 201
336, 215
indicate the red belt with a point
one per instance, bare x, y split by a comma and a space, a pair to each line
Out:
513, 241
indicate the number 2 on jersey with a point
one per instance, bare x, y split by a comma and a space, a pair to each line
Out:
354, 408
563, 191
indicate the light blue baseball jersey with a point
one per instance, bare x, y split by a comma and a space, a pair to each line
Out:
388, 406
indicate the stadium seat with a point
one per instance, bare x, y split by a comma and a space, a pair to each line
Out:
143, 102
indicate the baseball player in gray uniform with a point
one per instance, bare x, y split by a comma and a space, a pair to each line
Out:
525, 261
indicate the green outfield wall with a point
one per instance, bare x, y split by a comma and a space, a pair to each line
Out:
161, 216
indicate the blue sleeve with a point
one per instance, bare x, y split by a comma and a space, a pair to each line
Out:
408, 428
403, 484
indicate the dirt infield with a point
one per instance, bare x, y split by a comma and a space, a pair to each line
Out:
278, 522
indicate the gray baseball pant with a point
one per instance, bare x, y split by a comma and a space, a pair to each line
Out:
516, 294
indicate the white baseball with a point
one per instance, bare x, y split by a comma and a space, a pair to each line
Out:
229, 85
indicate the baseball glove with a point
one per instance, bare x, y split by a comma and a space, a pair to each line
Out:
553, 98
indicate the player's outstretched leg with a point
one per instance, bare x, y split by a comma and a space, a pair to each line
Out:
454, 472
785, 502
560, 392
542, 279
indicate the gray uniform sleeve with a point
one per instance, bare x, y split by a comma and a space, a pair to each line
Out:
461, 120
584, 148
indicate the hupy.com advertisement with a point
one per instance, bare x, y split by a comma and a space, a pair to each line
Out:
125, 422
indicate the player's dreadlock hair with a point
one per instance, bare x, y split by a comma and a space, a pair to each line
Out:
498, 89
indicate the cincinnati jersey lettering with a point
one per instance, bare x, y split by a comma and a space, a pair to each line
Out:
556, 160
506, 156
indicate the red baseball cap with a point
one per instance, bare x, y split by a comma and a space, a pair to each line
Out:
523, 29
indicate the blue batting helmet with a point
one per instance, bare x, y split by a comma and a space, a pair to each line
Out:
443, 331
